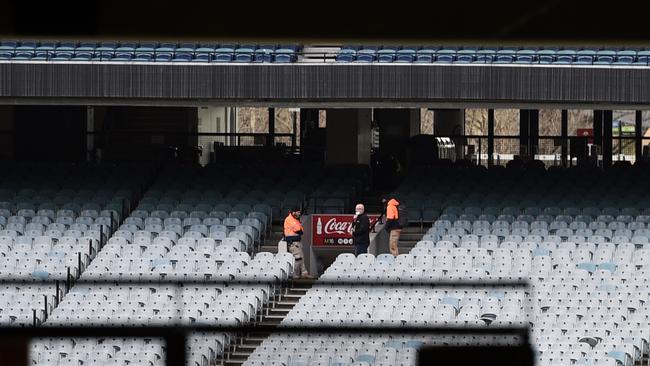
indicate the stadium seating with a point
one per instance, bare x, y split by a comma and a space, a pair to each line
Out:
494, 55
52, 221
146, 52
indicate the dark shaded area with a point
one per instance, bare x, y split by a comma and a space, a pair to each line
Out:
476, 355
335, 20
50, 133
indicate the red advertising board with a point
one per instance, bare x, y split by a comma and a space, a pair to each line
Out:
334, 229
586, 132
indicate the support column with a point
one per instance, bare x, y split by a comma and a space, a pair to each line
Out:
490, 146
528, 132
533, 132
396, 127
607, 139
7, 131
348, 136
270, 140
638, 137
524, 132
90, 130
598, 128
565, 138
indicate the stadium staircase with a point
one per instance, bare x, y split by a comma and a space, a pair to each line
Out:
271, 315
409, 237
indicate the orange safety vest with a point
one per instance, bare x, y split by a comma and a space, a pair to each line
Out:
391, 210
292, 226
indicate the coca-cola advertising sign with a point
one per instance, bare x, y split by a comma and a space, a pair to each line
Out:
334, 229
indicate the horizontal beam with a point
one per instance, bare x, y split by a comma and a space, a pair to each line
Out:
335, 85
307, 282
163, 331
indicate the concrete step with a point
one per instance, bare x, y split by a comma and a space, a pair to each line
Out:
272, 314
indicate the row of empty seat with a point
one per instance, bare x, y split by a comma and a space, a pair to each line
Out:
146, 52
500, 55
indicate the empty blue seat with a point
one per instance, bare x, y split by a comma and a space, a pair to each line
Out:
5, 55
465, 58
248, 46
163, 57
186, 47
585, 59
123, 56
82, 56
444, 58
8, 45
291, 47
86, 46
386, 57
484, 58
23, 55
47, 46
106, 46
208, 45
283, 58
424, 58
370, 50
223, 57
604, 60
203, 57
527, 51
26, 46
564, 58
126, 47
545, 59
104, 55
408, 50
67, 46
349, 49
407, 58
146, 47
365, 57
166, 47
626, 59
143, 56
182, 57
345, 57
62, 56
524, 59
506, 51
504, 59
446, 51
263, 57
243, 57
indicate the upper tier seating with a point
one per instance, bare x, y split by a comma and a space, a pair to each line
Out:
581, 56
146, 52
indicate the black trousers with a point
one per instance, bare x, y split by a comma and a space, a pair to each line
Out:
360, 248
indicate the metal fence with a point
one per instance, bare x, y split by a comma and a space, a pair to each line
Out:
548, 149
175, 333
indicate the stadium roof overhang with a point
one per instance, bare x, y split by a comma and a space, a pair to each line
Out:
326, 85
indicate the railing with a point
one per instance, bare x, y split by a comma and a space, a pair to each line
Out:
174, 335
63, 286
269, 56
548, 149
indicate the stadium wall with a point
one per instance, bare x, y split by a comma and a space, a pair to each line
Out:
587, 87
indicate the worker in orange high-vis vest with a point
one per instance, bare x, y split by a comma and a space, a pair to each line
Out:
293, 231
393, 226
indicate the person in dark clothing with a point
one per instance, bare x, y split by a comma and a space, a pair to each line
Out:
361, 230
